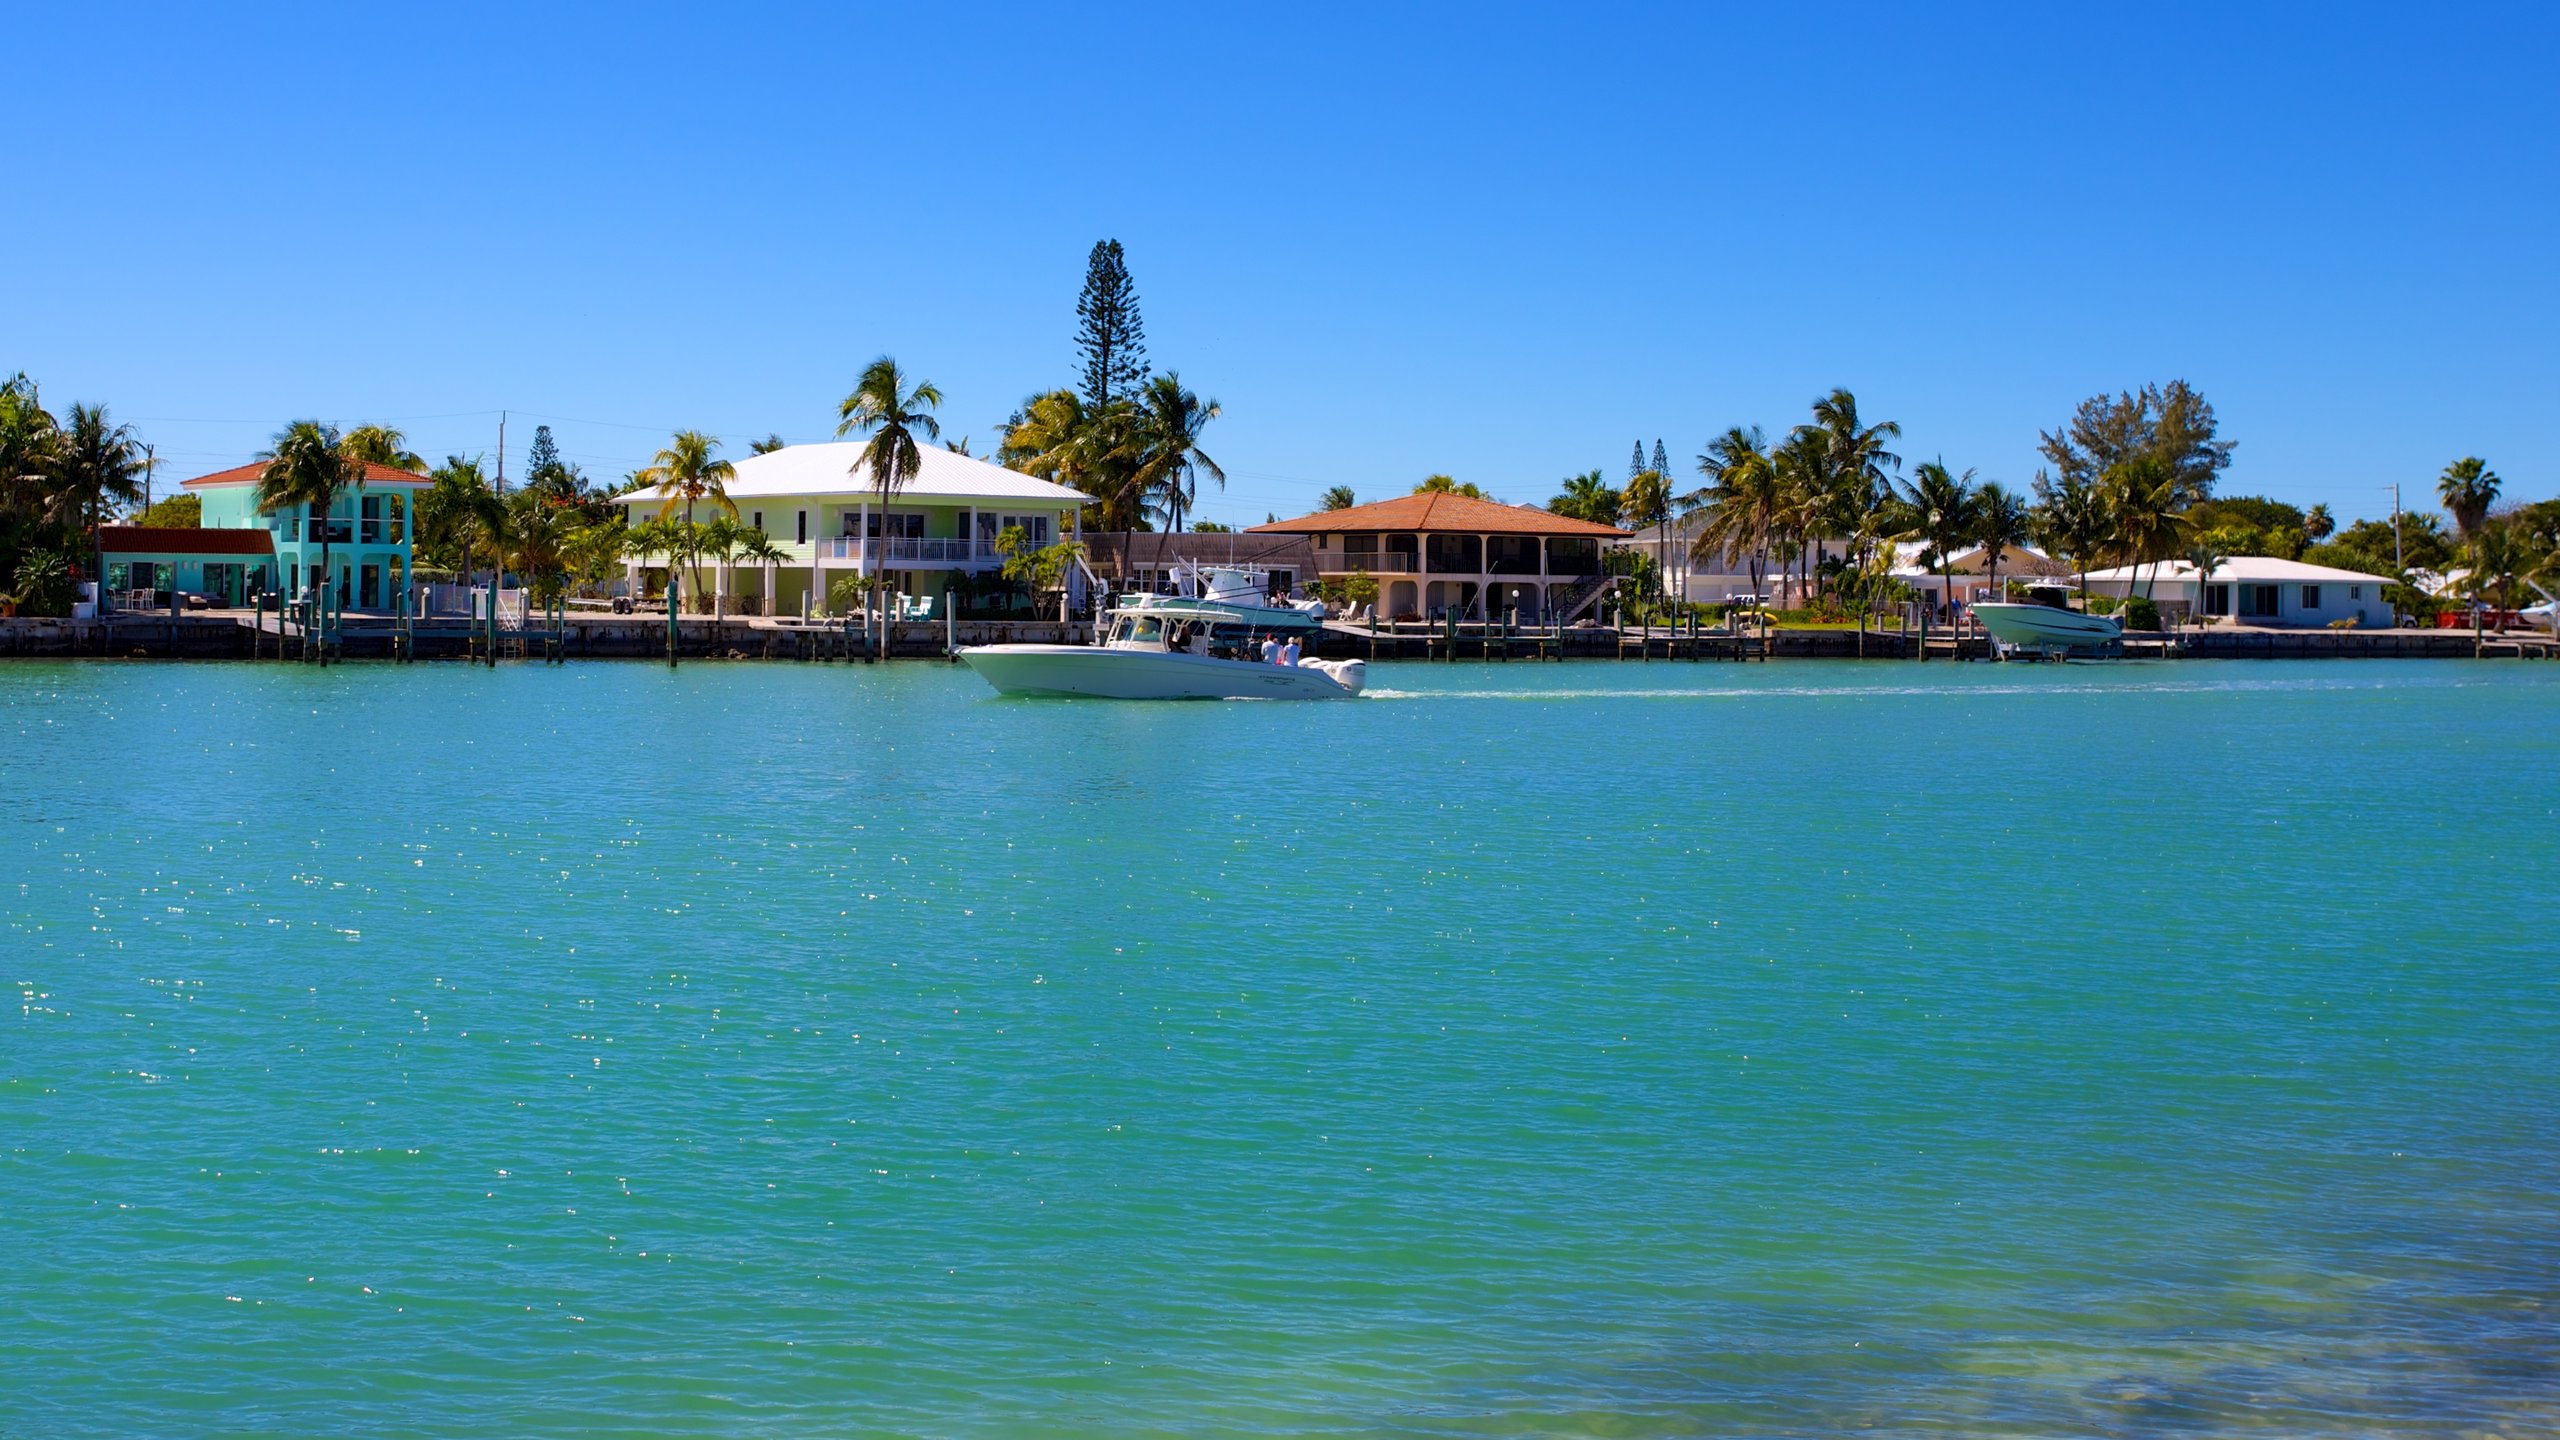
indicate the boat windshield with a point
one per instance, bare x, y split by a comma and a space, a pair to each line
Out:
1146, 630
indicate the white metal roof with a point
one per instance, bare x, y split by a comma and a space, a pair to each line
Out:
2245, 568
834, 470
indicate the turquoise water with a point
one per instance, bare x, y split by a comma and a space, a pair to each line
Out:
1568, 1050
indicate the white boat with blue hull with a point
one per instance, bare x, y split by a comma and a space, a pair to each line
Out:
1166, 649
2049, 629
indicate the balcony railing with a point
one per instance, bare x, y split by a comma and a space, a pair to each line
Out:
1376, 562
907, 551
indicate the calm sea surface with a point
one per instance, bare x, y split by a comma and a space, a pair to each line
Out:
1593, 1049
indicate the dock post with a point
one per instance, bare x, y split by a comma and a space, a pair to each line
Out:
950, 626
675, 596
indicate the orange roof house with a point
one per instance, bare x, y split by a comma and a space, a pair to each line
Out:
1433, 552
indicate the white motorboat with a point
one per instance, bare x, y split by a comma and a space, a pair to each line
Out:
1165, 649
2048, 629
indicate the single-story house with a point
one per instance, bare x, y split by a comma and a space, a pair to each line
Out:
2257, 590
1432, 552
1968, 576
145, 566
818, 505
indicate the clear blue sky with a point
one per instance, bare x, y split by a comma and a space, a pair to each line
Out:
1500, 243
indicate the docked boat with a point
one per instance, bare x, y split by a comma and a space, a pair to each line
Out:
2049, 629
1163, 648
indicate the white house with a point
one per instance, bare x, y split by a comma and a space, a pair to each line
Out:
817, 503
2258, 590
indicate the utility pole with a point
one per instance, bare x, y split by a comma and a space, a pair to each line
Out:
150, 459
502, 454
2399, 567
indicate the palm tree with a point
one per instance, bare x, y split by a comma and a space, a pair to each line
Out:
2318, 524
1857, 464
1170, 460
2206, 559
98, 466
2499, 556
594, 550
1588, 497
382, 445
1447, 485
1945, 512
884, 407
685, 474
306, 470
753, 544
2146, 500
2468, 488
2001, 522
1741, 499
1803, 466
458, 512
1336, 497
539, 542
1093, 449
1646, 501
2071, 521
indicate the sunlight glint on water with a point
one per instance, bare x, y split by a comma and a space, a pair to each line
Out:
1664, 1049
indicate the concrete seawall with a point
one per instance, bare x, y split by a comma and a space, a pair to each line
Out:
228, 636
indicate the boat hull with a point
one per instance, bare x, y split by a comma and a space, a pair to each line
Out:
1091, 672
2041, 627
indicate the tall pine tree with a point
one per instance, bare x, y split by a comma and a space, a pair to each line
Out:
1108, 332
1661, 462
542, 462
1635, 464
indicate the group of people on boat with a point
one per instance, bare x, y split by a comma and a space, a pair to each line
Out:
1192, 637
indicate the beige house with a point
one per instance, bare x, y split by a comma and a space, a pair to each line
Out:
1434, 554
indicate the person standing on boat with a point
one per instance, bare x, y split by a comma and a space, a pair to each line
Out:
1270, 649
1289, 652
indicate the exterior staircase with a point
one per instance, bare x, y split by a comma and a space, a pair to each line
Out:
1578, 601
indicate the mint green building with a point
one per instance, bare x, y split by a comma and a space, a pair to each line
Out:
368, 534
818, 506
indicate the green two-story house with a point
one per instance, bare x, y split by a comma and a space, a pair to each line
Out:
818, 506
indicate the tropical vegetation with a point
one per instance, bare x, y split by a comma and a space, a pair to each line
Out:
1130, 438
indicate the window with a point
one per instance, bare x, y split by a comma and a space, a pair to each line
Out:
2217, 599
804, 527
755, 518
2355, 592
2259, 600
2310, 597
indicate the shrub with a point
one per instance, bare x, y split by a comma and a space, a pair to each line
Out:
2140, 613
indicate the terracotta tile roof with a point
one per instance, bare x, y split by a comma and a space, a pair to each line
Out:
248, 475
1438, 513
160, 540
